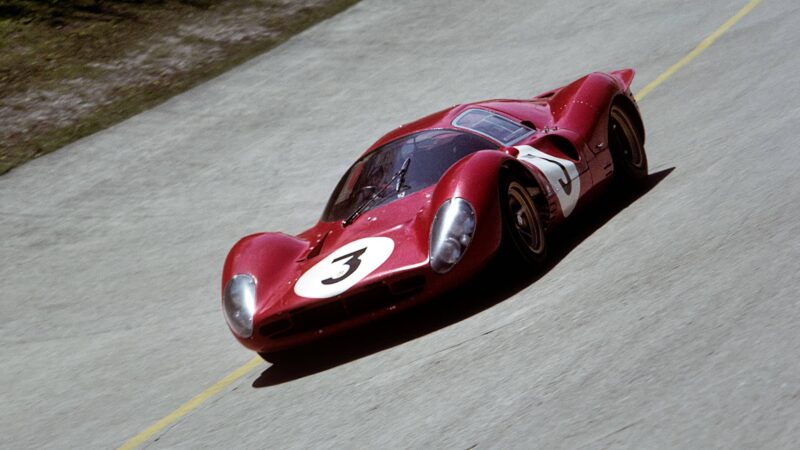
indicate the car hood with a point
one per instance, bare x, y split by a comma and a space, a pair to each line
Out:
395, 236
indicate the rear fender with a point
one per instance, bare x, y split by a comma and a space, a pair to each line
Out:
579, 105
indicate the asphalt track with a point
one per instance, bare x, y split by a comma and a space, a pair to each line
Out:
670, 321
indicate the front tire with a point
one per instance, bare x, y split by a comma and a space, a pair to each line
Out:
523, 229
627, 148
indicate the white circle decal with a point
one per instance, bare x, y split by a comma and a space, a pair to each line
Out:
345, 267
561, 173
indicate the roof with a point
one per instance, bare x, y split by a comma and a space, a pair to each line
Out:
445, 117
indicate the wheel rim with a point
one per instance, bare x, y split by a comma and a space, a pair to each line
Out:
524, 218
623, 137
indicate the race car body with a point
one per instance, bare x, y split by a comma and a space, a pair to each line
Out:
430, 204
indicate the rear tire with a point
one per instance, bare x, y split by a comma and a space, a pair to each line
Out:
627, 148
523, 228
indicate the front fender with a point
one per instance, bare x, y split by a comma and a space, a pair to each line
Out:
475, 179
267, 257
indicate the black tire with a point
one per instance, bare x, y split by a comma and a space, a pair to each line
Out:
627, 148
523, 228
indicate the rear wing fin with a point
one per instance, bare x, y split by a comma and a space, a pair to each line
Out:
625, 76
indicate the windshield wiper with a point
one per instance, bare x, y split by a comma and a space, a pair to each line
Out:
400, 176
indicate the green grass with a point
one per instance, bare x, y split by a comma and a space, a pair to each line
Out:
44, 43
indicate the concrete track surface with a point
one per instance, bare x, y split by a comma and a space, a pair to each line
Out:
672, 322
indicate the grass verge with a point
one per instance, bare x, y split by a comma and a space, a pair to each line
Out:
69, 68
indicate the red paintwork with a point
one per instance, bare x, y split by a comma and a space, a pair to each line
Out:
576, 113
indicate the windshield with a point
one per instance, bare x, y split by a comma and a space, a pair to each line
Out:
431, 153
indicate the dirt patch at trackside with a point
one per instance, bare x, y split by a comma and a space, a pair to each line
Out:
66, 72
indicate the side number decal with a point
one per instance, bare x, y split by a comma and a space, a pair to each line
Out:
344, 267
562, 174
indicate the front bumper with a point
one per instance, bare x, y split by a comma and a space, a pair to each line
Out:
371, 301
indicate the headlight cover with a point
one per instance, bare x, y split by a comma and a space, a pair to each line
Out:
451, 234
239, 304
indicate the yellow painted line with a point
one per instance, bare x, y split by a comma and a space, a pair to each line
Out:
187, 407
198, 400
701, 47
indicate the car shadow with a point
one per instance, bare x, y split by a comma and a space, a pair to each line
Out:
493, 285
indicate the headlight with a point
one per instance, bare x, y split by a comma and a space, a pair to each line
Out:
239, 304
451, 233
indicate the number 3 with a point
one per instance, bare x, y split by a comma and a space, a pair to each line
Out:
352, 266
344, 267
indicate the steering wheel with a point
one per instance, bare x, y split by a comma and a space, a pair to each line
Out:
367, 191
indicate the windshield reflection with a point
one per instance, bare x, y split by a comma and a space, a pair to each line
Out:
431, 153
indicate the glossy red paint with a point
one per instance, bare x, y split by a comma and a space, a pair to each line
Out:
571, 127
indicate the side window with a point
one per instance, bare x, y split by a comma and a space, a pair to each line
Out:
354, 176
492, 125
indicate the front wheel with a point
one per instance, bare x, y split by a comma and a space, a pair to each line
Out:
523, 230
627, 149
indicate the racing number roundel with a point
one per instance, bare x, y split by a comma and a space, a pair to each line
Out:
345, 267
562, 174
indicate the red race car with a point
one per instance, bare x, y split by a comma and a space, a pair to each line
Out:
429, 204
